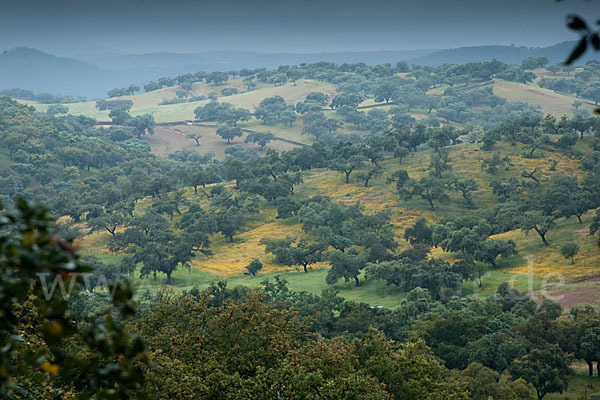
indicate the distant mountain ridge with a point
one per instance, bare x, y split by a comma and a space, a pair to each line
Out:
35, 70
38, 71
509, 54
233, 59
32, 69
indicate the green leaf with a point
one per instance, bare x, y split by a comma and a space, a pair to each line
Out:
577, 51
595, 41
576, 23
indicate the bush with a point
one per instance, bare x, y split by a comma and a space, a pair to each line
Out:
229, 91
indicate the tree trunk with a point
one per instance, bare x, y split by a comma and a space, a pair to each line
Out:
168, 277
305, 268
356, 280
543, 236
431, 204
590, 368
348, 176
195, 189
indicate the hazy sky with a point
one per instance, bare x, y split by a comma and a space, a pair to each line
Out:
140, 26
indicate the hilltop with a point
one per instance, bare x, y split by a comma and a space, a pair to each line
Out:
508, 54
92, 76
34, 70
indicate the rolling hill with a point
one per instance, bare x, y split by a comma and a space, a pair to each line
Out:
149, 102
34, 70
553, 103
170, 64
507, 54
38, 71
525, 271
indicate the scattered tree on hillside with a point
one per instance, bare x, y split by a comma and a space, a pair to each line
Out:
229, 132
345, 265
535, 220
419, 233
369, 174
260, 138
347, 157
195, 136
55, 109
141, 125
533, 63
274, 109
569, 250
492, 164
303, 253
466, 186
151, 86
427, 188
318, 97
254, 266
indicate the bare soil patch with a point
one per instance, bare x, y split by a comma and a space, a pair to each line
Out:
577, 293
169, 139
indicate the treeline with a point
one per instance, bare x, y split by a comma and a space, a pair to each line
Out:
327, 71
44, 98
474, 109
368, 78
466, 100
584, 84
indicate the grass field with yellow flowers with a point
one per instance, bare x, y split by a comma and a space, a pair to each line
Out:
536, 265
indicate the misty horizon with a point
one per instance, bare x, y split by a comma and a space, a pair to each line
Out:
68, 28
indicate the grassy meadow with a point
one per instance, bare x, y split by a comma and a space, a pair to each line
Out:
526, 271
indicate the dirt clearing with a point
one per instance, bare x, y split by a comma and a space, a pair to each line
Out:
169, 139
578, 293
